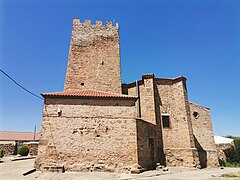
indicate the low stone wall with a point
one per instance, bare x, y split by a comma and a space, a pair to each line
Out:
221, 148
8, 149
33, 148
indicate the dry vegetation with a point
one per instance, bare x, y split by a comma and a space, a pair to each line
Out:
232, 175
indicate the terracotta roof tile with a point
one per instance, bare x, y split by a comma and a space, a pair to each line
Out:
87, 93
20, 136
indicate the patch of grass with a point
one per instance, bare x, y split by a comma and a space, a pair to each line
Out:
232, 175
237, 165
227, 164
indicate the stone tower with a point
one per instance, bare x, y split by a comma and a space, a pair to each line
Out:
94, 57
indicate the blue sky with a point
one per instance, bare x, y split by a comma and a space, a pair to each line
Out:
196, 39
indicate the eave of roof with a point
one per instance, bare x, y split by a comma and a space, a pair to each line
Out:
87, 93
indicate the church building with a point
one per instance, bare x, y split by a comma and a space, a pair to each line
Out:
99, 124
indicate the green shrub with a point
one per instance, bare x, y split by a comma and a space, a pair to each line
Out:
2, 153
233, 153
23, 150
237, 147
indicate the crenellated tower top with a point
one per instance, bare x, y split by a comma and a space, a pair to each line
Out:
94, 57
76, 21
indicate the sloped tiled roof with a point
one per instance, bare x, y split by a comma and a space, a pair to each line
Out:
87, 93
18, 136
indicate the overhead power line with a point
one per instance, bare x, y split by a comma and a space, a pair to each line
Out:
25, 89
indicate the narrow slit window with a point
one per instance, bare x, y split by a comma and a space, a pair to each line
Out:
166, 121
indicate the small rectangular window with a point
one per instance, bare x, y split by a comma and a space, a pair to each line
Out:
165, 121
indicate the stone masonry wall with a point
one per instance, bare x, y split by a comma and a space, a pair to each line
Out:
147, 103
174, 146
147, 124
203, 135
91, 134
181, 157
33, 148
8, 149
173, 103
178, 139
146, 144
94, 57
221, 148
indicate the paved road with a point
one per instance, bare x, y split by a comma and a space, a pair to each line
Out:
14, 170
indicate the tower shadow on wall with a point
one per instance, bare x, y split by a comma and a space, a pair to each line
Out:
202, 154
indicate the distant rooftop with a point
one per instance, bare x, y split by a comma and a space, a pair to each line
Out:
18, 136
222, 140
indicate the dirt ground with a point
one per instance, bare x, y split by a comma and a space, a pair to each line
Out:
14, 170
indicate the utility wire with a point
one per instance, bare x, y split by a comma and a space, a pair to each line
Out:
21, 85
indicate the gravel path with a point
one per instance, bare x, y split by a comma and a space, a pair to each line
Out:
14, 171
